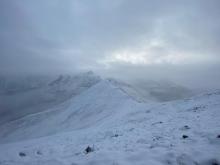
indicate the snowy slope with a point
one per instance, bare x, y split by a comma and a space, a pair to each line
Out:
157, 91
161, 90
122, 131
20, 96
38, 93
97, 103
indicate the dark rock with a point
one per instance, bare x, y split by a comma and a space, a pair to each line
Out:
22, 154
218, 136
160, 122
89, 149
185, 136
215, 163
186, 127
116, 135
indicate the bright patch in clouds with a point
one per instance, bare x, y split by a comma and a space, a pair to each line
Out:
154, 53
130, 57
145, 57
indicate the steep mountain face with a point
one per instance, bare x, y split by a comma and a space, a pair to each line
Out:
118, 129
28, 95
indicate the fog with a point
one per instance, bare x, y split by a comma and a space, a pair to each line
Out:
155, 39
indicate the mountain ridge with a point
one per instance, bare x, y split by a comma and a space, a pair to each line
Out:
120, 130
93, 97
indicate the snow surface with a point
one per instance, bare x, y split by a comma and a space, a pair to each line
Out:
23, 95
20, 96
121, 130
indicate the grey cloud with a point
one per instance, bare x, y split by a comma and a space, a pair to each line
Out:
65, 35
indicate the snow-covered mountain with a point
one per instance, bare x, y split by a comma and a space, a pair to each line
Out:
83, 111
20, 96
119, 129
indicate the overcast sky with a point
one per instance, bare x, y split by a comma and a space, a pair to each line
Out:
154, 39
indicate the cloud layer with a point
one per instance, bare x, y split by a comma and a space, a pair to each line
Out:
118, 37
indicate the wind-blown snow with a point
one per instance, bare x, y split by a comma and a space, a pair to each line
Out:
121, 130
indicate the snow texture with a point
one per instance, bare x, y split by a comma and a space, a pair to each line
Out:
118, 129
